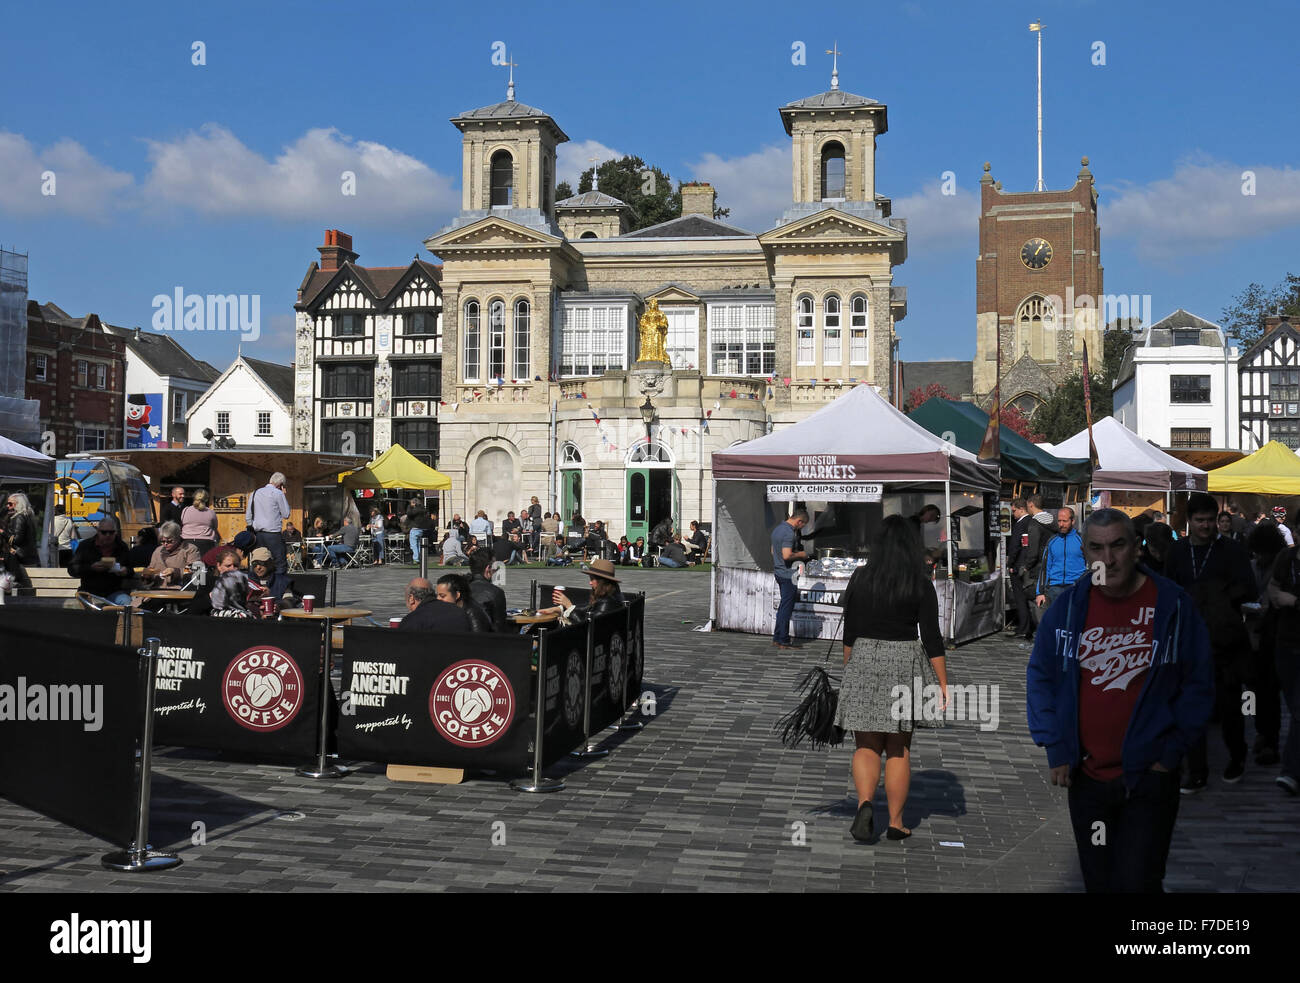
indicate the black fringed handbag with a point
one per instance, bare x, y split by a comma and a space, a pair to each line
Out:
813, 719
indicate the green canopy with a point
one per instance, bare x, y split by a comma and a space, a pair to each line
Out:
1021, 460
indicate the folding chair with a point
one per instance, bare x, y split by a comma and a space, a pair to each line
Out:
364, 554
293, 557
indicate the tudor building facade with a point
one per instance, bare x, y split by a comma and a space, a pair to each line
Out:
1270, 386
540, 302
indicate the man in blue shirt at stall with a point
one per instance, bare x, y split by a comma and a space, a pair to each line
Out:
1062, 562
786, 548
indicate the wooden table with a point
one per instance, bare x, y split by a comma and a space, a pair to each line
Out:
533, 619
173, 597
322, 612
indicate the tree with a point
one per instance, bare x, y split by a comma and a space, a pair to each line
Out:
1063, 416
1243, 319
921, 394
647, 189
563, 190
1014, 420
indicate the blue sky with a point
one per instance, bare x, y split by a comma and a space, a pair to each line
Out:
222, 177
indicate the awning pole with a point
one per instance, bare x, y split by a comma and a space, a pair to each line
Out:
952, 583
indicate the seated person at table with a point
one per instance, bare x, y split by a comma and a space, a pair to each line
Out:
697, 543
228, 558
486, 594
262, 577
605, 595
673, 555
103, 565
170, 564
453, 589
231, 598
427, 613
145, 543
453, 554
291, 533
340, 552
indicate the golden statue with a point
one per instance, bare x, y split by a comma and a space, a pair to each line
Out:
653, 331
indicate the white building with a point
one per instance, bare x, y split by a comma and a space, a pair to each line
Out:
1178, 385
164, 377
250, 403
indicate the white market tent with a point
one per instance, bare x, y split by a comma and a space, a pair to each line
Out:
858, 439
1126, 462
22, 465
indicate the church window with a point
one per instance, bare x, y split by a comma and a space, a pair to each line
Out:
805, 346
497, 340
859, 336
833, 172
1035, 321
503, 179
593, 339
473, 341
742, 339
832, 347
522, 340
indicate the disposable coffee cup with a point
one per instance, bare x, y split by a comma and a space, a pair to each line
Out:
394, 622
268, 607
308, 602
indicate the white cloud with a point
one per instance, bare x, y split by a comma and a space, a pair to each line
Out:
213, 172
756, 187
938, 223
572, 158
81, 184
1201, 206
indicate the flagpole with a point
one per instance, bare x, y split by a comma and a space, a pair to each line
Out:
1037, 28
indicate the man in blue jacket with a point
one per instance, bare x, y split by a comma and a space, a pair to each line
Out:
1062, 560
1119, 688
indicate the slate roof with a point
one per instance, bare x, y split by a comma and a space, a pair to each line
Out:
278, 378
687, 227
163, 354
512, 110
1161, 334
957, 377
592, 199
830, 100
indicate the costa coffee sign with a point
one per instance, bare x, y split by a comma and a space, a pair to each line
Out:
262, 688
472, 703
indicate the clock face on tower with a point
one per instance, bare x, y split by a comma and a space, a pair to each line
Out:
1036, 253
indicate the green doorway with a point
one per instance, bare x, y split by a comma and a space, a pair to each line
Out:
651, 497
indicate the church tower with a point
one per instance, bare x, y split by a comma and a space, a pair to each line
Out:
1038, 286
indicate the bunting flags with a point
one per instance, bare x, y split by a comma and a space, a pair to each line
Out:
1087, 409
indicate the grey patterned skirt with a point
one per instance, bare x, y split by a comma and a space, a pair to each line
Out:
870, 698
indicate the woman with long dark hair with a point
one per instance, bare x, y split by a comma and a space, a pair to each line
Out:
891, 640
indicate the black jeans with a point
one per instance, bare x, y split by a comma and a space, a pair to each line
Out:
1123, 837
1227, 699
1020, 597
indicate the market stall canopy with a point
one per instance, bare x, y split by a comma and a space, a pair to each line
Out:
859, 437
1126, 462
396, 468
1274, 469
1020, 460
19, 463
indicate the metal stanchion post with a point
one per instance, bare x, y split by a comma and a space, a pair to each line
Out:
140, 857
424, 554
590, 748
537, 782
628, 724
323, 768
334, 587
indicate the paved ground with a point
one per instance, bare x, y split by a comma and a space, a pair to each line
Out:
704, 799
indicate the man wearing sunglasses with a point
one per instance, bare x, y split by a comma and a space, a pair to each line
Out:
102, 563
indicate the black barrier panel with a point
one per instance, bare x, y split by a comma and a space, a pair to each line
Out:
565, 691
420, 698
99, 627
315, 584
71, 715
635, 648
238, 685
608, 669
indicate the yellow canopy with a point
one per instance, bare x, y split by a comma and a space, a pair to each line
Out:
396, 468
1274, 469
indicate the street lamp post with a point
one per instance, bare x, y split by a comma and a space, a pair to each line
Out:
648, 417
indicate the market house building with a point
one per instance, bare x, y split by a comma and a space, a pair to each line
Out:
541, 302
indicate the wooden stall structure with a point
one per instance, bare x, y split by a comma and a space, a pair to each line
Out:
231, 476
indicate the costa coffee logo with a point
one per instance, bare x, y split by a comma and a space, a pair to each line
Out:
615, 674
573, 673
472, 703
262, 688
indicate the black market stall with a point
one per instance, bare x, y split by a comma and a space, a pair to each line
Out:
850, 464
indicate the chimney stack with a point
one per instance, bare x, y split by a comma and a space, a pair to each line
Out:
336, 251
698, 198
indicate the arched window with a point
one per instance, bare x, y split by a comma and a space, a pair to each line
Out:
569, 454
1036, 335
497, 340
1026, 403
650, 453
859, 335
522, 341
832, 341
587, 235
833, 172
503, 178
473, 341
805, 341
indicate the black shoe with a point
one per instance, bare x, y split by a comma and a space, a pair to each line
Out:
1232, 774
1267, 756
864, 823
1190, 785
894, 833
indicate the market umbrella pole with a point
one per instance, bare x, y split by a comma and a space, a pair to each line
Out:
952, 584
